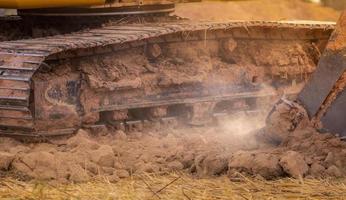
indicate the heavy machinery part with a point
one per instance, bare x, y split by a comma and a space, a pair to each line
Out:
88, 7
30, 4
324, 96
52, 86
114, 9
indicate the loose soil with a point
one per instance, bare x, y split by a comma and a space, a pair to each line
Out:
237, 146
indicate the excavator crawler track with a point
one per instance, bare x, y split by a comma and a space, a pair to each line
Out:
49, 88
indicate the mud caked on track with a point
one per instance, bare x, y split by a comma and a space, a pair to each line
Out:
160, 71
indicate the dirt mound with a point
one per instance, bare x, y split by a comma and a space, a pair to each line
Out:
231, 148
302, 150
306, 153
256, 10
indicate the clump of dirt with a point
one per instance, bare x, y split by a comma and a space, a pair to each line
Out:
256, 10
204, 151
300, 150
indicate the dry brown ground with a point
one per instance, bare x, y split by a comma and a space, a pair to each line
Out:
256, 10
233, 147
177, 187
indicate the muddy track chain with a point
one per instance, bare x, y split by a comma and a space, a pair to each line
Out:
19, 60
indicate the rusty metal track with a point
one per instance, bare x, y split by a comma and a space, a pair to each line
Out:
19, 60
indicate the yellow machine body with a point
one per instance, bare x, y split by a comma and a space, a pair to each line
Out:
32, 4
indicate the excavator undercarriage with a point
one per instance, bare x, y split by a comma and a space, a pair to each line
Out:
129, 65
129, 76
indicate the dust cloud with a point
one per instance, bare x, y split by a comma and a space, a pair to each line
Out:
241, 124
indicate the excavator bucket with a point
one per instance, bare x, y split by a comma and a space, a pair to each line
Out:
323, 96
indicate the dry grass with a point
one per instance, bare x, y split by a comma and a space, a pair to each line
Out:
176, 186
